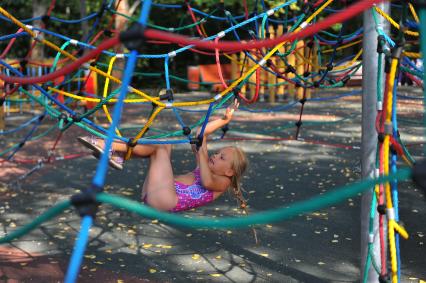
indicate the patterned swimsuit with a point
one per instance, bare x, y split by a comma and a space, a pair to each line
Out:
191, 196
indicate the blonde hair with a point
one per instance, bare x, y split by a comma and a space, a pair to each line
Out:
239, 166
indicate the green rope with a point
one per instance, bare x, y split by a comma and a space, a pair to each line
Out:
51, 213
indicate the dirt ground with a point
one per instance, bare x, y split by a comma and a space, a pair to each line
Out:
323, 246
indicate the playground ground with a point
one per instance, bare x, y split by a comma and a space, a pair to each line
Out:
321, 246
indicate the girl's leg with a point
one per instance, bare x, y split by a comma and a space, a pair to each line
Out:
140, 150
159, 188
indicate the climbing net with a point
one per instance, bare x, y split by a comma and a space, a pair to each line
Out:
280, 52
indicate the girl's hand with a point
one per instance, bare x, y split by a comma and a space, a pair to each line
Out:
230, 110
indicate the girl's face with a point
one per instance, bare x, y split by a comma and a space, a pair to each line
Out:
221, 162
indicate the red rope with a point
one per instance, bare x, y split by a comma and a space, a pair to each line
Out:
227, 46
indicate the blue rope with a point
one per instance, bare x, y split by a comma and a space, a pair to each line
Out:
101, 170
20, 127
206, 120
79, 248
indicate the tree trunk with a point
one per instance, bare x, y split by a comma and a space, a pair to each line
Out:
84, 25
39, 9
120, 24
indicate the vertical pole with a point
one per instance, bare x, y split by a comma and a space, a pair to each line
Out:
369, 138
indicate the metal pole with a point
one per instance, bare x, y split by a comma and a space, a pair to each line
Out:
369, 136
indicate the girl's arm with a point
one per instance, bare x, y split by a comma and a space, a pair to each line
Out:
209, 180
212, 126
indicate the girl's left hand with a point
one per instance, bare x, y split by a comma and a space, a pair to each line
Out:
230, 110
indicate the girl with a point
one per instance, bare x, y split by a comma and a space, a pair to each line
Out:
210, 179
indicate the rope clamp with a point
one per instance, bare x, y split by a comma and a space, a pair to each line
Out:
379, 106
371, 238
168, 95
74, 42
390, 213
119, 55
388, 129
270, 12
217, 97
221, 34
171, 54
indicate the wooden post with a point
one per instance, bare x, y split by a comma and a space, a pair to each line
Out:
300, 66
280, 65
309, 55
271, 78
291, 60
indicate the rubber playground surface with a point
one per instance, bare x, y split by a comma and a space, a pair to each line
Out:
320, 246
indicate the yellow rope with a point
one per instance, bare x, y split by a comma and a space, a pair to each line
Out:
413, 12
393, 226
342, 47
392, 22
412, 54
92, 99
142, 132
68, 55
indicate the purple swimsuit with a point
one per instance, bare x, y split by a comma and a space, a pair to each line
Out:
191, 196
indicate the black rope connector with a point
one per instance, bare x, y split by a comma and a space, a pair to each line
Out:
186, 130
23, 63
133, 37
76, 117
198, 142
330, 67
63, 117
107, 32
225, 129
383, 278
41, 117
419, 174
387, 64
316, 84
297, 84
102, 10
269, 63
381, 208
86, 203
380, 44
80, 52
45, 19
168, 95
21, 144
93, 64
397, 51
393, 150
306, 74
132, 143
381, 137
339, 41
298, 124
2, 99
345, 80
290, 69
310, 44
303, 100
267, 35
